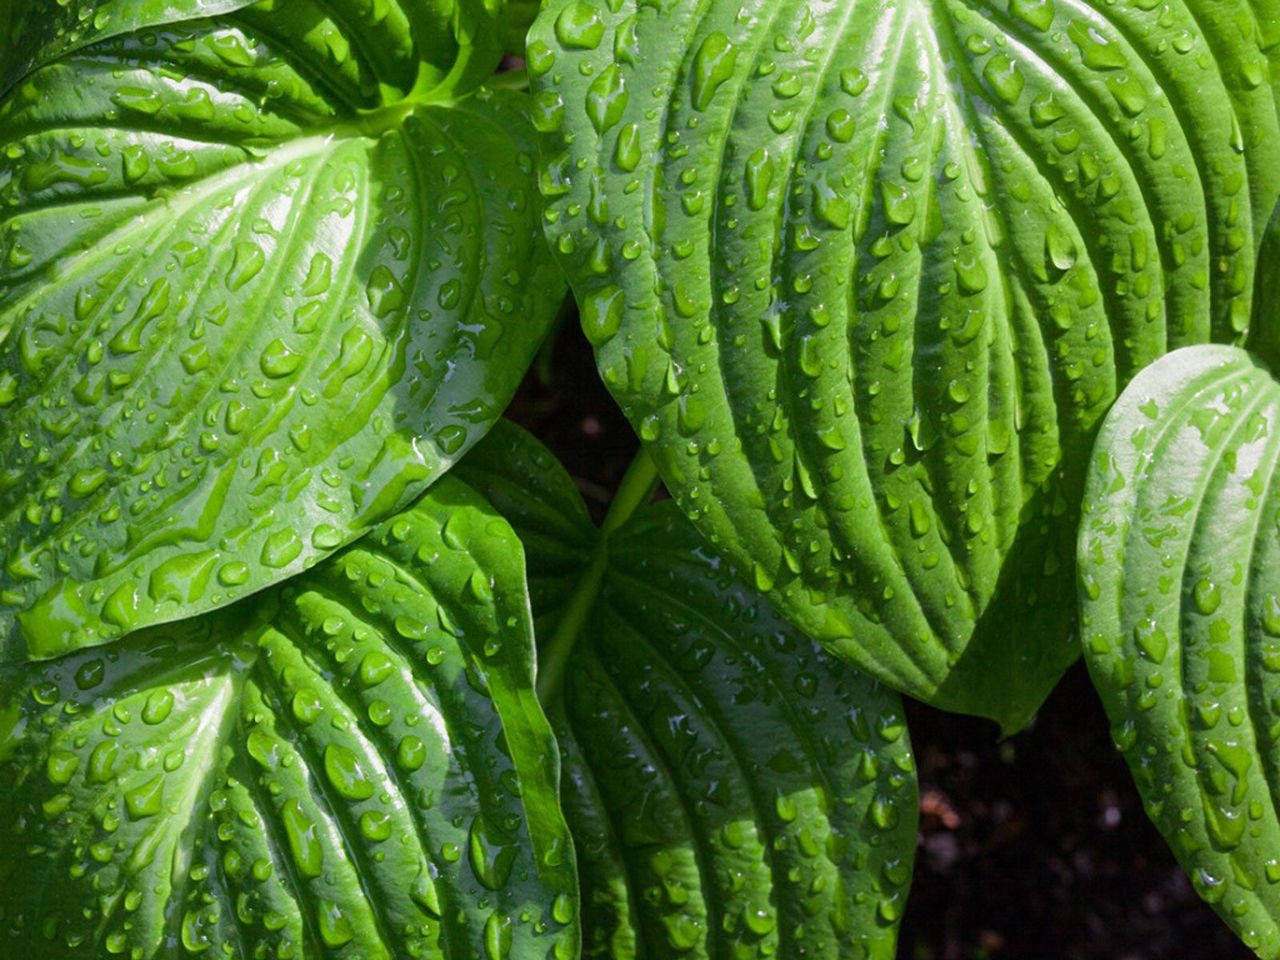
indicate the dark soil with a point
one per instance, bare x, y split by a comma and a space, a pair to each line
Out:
1038, 848
1032, 849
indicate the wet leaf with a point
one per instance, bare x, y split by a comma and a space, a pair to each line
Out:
1179, 569
354, 765
866, 277
264, 276
732, 789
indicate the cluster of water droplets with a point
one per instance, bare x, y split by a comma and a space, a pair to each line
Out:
277, 311
334, 776
862, 276
1181, 617
731, 788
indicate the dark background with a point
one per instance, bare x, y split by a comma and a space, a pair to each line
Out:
1032, 849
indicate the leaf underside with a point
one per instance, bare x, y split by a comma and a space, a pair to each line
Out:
356, 766
1179, 569
733, 790
264, 276
866, 276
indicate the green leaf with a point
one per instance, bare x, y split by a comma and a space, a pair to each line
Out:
264, 277
866, 277
732, 789
396, 46
1264, 335
356, 766
520, 16
1180, 617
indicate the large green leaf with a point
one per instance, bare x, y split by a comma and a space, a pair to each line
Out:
355, 766
265, 275
733, 790
866, 276
1180, 616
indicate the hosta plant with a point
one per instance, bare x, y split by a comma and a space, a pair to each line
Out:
267, 274
351, 764
306, 652
1180, 594
866, 276
730, 786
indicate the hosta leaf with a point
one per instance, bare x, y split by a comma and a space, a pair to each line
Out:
866, 276
266, 275
732, 789
1180, 616
355, 766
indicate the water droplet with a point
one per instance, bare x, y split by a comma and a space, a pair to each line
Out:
579, 27
386, 295
375, 667
1207, 596
1151, 640
60, 766
602, 313
1037, 13
1096, 51
712, 65
158, 706
344, 771
375, 825
335, 929
492, 853
411, 753
280, 549
1004, 77
899, 204
146, 800
606, 98
307, 705
247, 264
304, 844
497, 937
278, 360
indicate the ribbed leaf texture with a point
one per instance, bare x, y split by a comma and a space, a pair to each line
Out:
866, 276
352, 766
1180, 597
733, 791
264, 275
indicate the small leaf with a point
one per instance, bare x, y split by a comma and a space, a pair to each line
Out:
353, 766
264, 276
1179, 564
877, 274
731, 788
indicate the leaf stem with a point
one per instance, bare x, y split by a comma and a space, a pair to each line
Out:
635, 490
637, 487
509, 80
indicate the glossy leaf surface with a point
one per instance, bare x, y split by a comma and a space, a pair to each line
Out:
866, 276
355, 766
263, 277
732, 789
1180, 616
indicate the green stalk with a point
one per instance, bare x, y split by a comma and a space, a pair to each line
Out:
637, 487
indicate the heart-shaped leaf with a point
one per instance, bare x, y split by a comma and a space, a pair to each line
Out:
866, 276
733, 790
265, 276
354, 766
1180, 616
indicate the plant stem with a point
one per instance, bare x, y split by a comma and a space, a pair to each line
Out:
509, 80
637, 487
